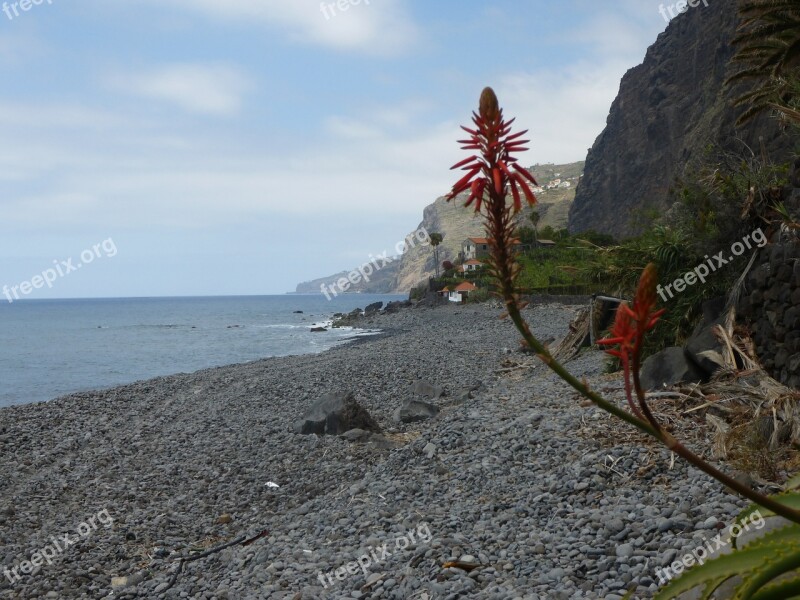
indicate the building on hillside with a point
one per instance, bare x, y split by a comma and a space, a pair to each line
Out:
544, 244
565, 184
472, 266
461, 292
476, 248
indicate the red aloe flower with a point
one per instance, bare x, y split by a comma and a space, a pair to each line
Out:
623, 333
623, 336
631, 325
494, 168
645, 301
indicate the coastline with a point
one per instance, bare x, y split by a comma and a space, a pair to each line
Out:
186, 461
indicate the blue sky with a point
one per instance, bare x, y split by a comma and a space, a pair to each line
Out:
243, 146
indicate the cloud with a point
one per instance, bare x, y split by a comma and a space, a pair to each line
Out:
205, 89
373, 26
565, 110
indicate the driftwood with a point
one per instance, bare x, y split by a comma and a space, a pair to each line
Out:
577, 338
241, 541
587, 327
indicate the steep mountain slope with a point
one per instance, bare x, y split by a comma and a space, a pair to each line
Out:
668, 111
457, 223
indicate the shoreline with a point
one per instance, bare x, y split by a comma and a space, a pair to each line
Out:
192, 461
356, 338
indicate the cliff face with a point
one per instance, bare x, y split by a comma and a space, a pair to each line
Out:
668, 111
456, 224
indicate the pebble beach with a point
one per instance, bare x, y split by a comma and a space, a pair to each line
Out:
517, 482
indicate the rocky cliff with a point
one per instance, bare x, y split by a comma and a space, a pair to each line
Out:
457, 223
668, 111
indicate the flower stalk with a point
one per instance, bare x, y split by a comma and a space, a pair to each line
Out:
491, 175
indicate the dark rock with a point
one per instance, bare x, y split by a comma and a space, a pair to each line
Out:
781, 357
703, 347
373, 308
793, 364
397, 305
318, 329
791, 318
356, 435
669, 367
423, 389
784, 273
335, 414
298, 312
413, 411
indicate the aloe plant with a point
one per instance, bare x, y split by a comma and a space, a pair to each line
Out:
492, 176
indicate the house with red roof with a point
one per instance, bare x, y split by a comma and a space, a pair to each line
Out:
461, 292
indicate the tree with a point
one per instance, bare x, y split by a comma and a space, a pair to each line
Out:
436, 239
768, 41
535, 217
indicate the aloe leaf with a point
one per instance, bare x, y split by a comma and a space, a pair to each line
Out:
712, 574
784, 590
789, 533
789, 560
788, 499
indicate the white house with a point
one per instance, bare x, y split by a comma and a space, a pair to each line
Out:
461, 292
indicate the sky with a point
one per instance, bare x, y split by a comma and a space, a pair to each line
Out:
237, 147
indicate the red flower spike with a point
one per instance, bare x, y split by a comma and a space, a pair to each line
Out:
492, 137
632, 323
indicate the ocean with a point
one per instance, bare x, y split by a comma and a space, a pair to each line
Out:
49, 348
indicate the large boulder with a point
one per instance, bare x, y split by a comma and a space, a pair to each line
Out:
373, 308
413, 411
704, 347
423, 389
396, 306
334, 414
669, 367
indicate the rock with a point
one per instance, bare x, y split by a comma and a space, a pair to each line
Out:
413, 411
423, 389
624, 551
334, 414
318, 329
668, 367
703, 347
429, 450
224, 519
355, 435
298, 312
123, 582
382, 442
373, 308
395, 306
